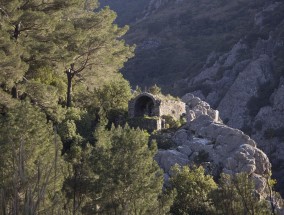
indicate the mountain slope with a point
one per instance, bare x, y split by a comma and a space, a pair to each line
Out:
174, 38
229, 53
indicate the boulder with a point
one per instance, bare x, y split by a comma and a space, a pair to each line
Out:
181, 136
196, 107
167, 158
185, 149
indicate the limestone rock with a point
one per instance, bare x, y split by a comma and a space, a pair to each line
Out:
195, 107
233, 105
246, 91
167, 158
185, 149
181, 136
210, 142
278, 102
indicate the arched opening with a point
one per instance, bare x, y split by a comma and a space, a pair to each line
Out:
144, 106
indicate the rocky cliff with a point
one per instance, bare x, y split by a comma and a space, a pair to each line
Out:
218, 147
246, 86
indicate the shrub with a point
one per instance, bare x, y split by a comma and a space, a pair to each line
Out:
193, 191
171, 122
155, 90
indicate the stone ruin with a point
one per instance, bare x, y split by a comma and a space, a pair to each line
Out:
146, 110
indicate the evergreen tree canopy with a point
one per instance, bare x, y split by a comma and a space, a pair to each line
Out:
31, 168
237, 195
129, 180
47, 40
193, 189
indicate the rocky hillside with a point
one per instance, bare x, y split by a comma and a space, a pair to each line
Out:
228, 53
174, 38
246, 85
219, 148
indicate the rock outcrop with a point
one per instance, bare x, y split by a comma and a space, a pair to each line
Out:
246, 85
220, 148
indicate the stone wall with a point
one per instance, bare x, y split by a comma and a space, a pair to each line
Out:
149, 124
132, 103
147, 104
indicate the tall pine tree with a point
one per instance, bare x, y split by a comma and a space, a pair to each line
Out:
64, 38
31, 168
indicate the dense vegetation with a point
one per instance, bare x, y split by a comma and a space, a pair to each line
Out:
61, 97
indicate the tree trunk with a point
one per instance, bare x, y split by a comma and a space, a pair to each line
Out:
70, 76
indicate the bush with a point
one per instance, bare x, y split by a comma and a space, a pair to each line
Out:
193, 191
164, 140
171, 122
236, 195
155, 90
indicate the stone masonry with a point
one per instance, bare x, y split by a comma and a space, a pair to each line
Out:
149, 105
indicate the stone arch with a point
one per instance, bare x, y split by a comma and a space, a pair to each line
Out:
144, 105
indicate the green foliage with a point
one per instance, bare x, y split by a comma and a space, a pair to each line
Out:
31, 168
75, 132
6, 102
113, 96
48, 76
68, 131
92, 48
163, 139
236, 195
171, 122
193, 189
155, 90
76, 185
45, 97
87, 43
129, 180
13, 68
107, 103
137, 91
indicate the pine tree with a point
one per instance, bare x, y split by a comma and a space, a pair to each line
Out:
31, 169
28, 47
26, 27
61, 38
236, 195
90, 44
128, 180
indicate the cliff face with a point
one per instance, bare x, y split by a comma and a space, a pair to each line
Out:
228, 53
218, 147
246, 86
